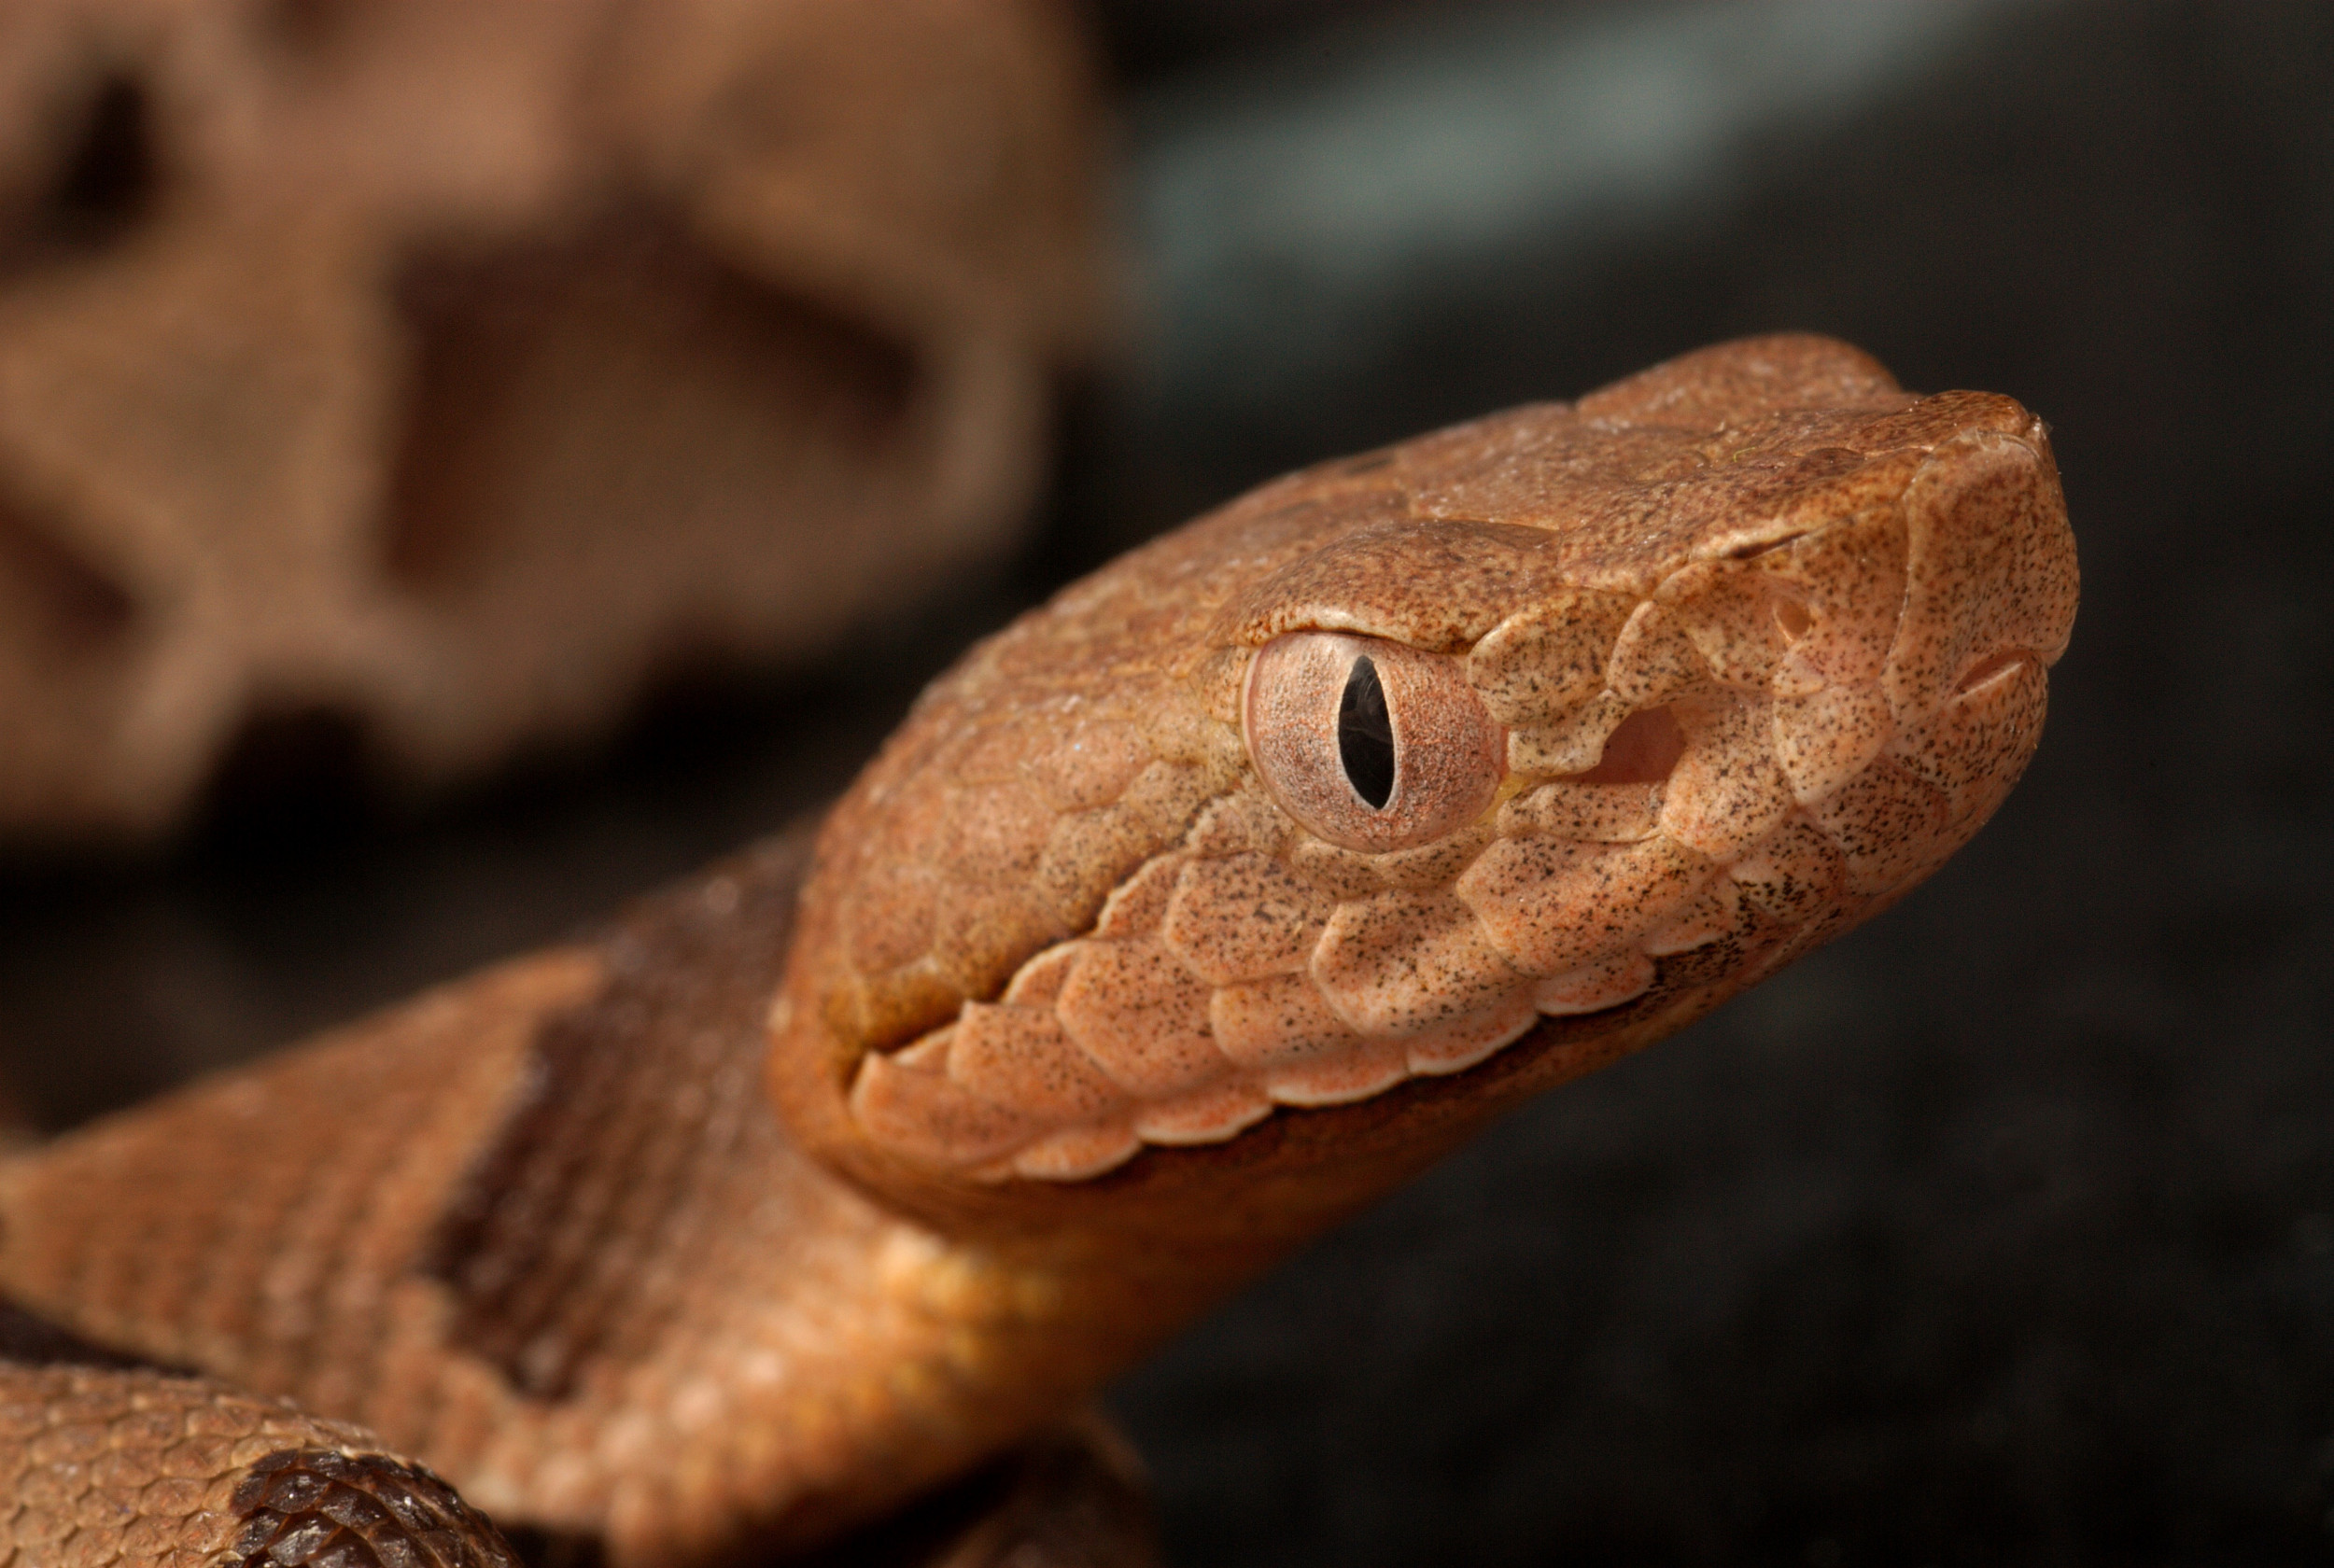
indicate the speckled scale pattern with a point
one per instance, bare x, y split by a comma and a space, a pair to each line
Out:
540, 1230
1841, 596
101, 1467
1768, 641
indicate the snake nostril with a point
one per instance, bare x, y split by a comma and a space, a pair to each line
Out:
1989, 670
1792, 619
1644, 750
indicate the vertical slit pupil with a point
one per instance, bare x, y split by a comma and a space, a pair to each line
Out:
1365, 735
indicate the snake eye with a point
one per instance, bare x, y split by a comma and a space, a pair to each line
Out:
1365, 733
1369, 744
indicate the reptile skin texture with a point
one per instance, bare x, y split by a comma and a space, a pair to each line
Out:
103, 1468
859, 1161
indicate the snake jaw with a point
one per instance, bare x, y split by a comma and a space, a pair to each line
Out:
1725, 727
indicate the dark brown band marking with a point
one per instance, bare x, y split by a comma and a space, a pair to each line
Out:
320, 1507
643, 1098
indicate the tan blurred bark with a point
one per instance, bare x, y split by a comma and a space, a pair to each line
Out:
457, 367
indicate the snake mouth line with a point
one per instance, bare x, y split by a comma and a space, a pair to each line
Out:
1486, 779
1174, 1021
1231, 978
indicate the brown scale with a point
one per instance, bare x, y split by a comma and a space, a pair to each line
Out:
118, 1466
1762, 591
629, 1126
823, 1180
319, 1506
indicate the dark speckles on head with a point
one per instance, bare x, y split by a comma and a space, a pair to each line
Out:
1566, 712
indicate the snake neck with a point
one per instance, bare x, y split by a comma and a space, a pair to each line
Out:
545, 1230
542, 1229
644, 1241
803, 1187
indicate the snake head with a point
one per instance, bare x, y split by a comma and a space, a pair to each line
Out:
1305, 836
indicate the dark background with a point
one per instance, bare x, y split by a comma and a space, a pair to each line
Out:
2001, 1231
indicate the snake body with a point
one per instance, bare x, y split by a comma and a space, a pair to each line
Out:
1191, 912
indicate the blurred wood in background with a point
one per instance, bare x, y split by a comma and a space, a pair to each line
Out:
419, 382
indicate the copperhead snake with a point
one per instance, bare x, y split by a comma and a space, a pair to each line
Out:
1189, 914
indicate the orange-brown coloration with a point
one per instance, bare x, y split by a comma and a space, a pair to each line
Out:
453, 372
1705, 623
118, 1466
1077, 1026
539, 1230
1441, 730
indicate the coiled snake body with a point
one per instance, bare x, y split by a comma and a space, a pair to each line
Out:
1186, 914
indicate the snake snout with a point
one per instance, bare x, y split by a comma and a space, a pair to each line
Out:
1511, 746
1990, 587
1989, 572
